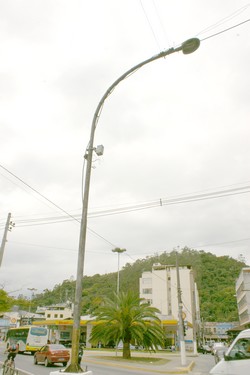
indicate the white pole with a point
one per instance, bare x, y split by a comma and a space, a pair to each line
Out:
4, 240
181, 333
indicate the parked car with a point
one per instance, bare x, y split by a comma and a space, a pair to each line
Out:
52, 353
132, 347
219, 353
237, 357
204, 349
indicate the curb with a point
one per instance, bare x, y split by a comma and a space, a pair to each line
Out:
176, 370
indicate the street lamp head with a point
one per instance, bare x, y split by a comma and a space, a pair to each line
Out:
190, 46
118, 250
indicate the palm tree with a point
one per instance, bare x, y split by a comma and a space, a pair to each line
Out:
129, 319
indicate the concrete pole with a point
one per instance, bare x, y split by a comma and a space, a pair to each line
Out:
4, 239
194, 320
181, 332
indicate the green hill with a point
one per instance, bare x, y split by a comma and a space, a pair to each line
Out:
215, 277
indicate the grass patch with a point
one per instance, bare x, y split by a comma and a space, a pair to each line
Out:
147, 360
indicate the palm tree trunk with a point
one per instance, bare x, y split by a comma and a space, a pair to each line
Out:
126, 354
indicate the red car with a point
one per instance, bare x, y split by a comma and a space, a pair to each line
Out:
52, 353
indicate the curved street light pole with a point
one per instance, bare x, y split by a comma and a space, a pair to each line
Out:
187, 47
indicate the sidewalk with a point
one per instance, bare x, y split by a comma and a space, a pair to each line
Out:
170, 363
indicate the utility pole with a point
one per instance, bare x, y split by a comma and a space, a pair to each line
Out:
181, 332
8, 226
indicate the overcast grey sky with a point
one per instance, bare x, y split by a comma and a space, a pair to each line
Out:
179, 127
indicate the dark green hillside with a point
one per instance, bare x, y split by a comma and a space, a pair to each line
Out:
215, 277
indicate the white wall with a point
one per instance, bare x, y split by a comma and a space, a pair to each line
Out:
163, 281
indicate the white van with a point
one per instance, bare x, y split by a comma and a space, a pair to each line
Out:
237, 357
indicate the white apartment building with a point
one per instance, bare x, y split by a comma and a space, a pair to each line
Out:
57, 311
159, 288
243, 296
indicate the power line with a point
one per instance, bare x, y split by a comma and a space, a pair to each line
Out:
165, 201
218, 23
151, 27
223, 243
223, 20
225, 30
54, 204
137, 207
37, 192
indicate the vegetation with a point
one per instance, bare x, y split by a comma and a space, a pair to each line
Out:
6, 302
215, 277
128, 319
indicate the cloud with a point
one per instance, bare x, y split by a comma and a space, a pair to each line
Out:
176, 127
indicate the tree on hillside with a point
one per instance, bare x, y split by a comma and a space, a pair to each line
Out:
129, 319
6, 302
215, 278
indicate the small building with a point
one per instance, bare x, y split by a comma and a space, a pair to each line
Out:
57, 311
217, 331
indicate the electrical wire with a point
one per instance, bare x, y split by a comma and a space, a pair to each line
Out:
221, 243
160, 22
150, 26
137, 207
207, 29
37, 192
223, 20
225, 30
54, 204
165, 201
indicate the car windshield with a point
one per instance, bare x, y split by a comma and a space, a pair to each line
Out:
56, 347
241, 350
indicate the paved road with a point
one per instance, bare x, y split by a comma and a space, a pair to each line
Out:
100, 364
203, 364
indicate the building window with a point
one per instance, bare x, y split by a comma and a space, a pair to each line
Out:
61, 315
48, 316
56, 315
147, 291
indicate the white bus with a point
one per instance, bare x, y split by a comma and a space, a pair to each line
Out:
29, 338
